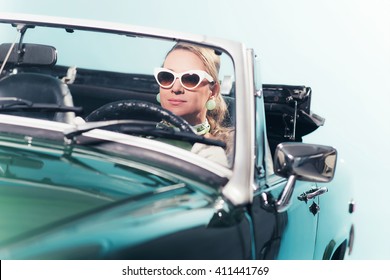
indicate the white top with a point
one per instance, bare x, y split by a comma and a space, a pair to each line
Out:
213, 153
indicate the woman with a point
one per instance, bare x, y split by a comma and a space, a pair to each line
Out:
189, 87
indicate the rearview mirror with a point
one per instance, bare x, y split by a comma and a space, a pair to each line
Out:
28, 54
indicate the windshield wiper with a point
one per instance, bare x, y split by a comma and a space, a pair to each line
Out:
141, 128
12, 104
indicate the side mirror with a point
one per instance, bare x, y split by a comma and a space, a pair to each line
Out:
300, 161
307, 162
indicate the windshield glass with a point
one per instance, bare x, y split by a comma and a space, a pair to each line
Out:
193, 82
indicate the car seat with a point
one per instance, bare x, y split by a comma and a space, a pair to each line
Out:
37, 88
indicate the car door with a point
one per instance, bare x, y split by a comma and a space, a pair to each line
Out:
287, 233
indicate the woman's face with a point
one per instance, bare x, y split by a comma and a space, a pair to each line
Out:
189, 104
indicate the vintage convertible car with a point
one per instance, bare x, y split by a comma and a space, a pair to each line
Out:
87, 173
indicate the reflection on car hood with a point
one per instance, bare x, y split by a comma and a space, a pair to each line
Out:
125, 223
44, 192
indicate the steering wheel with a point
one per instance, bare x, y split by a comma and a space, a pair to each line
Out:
139, 110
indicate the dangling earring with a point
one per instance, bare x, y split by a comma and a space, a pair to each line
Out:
158, 97
210, 104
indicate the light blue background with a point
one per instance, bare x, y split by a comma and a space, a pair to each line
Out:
341, 48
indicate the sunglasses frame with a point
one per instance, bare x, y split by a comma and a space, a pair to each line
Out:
202, 75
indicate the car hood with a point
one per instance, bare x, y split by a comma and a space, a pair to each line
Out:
48, 223
90, 199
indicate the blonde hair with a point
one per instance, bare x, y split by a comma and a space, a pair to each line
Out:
212, 62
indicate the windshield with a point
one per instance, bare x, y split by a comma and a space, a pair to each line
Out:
101, 68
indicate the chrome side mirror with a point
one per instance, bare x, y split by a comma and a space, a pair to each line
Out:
306, 162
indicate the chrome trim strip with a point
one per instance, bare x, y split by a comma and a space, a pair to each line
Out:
143, 143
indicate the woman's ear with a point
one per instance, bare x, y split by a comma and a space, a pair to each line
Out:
215, 88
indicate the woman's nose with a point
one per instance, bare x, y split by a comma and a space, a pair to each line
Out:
177, 87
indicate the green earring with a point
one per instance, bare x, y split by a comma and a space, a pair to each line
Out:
210, 104
158, 97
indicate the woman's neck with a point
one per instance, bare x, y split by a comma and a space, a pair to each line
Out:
202, 128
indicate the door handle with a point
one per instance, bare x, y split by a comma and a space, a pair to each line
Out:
312, 193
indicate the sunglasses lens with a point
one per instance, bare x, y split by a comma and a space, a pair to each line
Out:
165, 78
190, 80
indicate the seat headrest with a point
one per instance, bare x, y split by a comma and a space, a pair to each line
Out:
37, 88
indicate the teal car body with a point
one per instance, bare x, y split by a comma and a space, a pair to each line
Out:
119, 188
